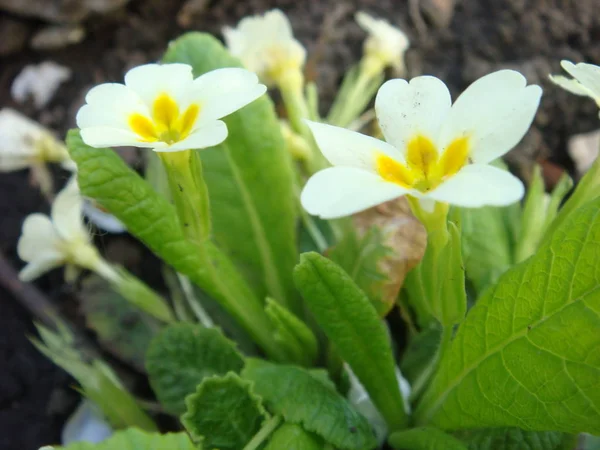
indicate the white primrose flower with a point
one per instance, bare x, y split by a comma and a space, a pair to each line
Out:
266, 45
585, 81
50, 242
435, 150
25, 143
385, 42
164, 108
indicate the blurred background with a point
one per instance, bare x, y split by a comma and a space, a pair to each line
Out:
53, 51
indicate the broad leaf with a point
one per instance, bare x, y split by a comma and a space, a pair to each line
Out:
353, 326
511, 439
527, 354
292, 334
121, 328
304, 399
250, 180
223, 413
424, 439
134, 439
182, 355
103, 176
293, 437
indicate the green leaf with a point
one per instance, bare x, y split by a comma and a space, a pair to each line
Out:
134, 439
511, 439
487, 243
424, 439
103, 176
250, 180
224, 413
303, 398
182, 355
121, 328
527, 354
420, 353
293, 335
360, 258
353, 326
293, 437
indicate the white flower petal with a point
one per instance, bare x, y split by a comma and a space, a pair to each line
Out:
586, 74
67, 215
385, 41
209, 135
340, 191
39, 267
99, 137
38, 239
348, 148
479, 185
571, 85
495, 111
224, 91
150, 80
18, 138
405, 110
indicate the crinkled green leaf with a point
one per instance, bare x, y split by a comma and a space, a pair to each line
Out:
352, 324
182, 355
302, 398
290, 436
134, 439
511, 439
122, 329
527, 354
103, 176
424, 439
224, 413
293, 334
250, 180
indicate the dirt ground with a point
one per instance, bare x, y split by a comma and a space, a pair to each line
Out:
457, 42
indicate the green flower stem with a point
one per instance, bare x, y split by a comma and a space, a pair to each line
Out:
133, 290
189, 193
267, 429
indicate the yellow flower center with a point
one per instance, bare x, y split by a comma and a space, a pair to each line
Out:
425, 169
167, 123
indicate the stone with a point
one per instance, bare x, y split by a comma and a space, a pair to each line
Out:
13, 35
54, 37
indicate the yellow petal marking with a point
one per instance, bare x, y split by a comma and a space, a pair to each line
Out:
166, 124
425, 169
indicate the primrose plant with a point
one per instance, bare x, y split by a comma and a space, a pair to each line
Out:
435, 302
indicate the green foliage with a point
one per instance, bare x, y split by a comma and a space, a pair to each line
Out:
511, 439
436, 287
182, 355
224, 413
292, 334
290, 436
121, 328
424, 439
303, 398
103, 176
359, 257
353, 326
98, 382
250, 180
134, 439
526, 356
419, 355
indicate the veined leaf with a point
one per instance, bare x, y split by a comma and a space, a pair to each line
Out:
528, 354
511, 439
424, 439
293, 437
134, 439
223, 413
352, 324
103, 176
303, 398
250, 180
182, 355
